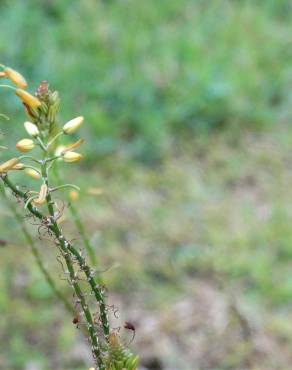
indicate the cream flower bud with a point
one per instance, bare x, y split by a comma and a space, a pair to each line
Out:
25, 145
73, 195
32, 173
15, 77
2, 74
19, 167
6, 166
71, 157
42, 195
73, 125
31, 129
28, 99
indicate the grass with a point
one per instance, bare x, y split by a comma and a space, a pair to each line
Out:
218, 212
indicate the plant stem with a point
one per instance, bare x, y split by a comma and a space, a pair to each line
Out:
67, 247
36, 254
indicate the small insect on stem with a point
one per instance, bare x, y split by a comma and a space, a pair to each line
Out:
76, 320
128, 325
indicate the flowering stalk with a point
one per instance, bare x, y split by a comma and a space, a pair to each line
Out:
42, 109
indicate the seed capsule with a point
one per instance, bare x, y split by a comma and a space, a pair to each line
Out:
25, 145
71, 157
33, 173
6, 166
73, 125
28, 99
31, 129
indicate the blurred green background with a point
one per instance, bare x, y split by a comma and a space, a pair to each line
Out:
188, 133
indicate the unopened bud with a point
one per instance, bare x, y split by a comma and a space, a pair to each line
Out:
33, 173
2, 74
28, 99
42, 195
71, 157
19, 166
15, 77
73, 195
31, 129
25, 145
6, 166
73, 125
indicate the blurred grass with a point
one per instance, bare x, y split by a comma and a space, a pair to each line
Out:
200, 90
145, 73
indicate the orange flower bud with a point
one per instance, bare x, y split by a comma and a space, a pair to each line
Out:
27, 98
75, 145
25, 145
6, 166
71, 157
15, 77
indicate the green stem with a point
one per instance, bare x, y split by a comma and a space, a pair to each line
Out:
65, 186
36, 254
66, 247
8, 87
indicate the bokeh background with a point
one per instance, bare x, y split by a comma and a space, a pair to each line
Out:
188, 133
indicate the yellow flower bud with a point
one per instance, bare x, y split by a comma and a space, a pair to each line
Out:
15, 77
28, 99
71, 157
6, 166
25, 145
18, 166
73, 195
2, 74
42, 195
73, 125
31, 129
32, 173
